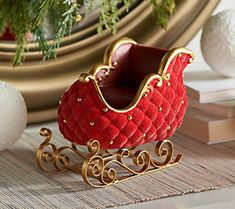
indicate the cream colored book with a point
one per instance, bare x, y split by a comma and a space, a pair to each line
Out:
207, 128
207, 86
225, 108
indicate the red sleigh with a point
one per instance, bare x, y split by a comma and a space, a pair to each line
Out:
136, 96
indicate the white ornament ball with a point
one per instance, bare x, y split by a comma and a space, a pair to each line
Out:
13, 115
218, 43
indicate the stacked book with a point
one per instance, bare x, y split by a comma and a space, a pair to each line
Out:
211, 111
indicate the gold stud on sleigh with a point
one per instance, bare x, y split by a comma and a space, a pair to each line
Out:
135, 97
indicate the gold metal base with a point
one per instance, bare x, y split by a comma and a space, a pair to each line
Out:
100, 168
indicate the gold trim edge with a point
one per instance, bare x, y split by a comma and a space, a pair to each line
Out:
144, 87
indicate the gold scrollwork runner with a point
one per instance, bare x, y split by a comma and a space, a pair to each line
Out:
24, 185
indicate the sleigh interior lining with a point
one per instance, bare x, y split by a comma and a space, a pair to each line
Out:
120, 86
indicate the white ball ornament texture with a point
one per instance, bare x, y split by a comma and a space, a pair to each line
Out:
13, 115
218, 43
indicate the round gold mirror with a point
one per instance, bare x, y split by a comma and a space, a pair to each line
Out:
42, 83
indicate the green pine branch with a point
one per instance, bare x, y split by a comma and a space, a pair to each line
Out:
23, 16
43, 43
109, 14
65, 26
162, 10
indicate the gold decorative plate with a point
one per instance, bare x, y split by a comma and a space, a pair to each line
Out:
42, 83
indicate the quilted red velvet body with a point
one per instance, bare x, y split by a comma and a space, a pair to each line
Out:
156, 117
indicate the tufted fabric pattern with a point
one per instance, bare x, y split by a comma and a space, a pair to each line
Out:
156, 117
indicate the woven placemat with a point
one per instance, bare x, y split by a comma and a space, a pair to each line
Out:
23, 185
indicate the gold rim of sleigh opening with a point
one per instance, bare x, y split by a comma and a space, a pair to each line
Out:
98, 167
144, 87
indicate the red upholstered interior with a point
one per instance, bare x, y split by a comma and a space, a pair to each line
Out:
134, 63
81, 115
